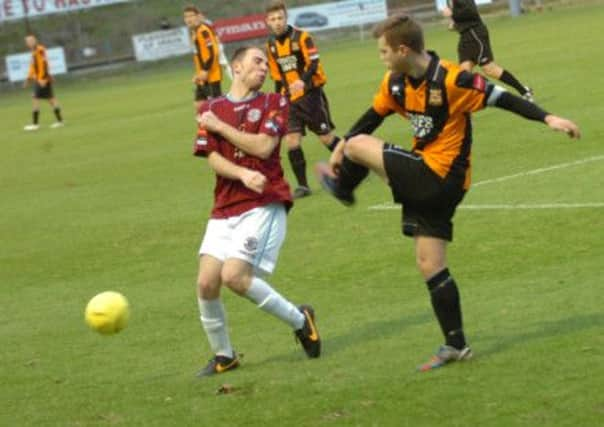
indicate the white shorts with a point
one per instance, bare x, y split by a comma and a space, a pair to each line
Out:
255, 236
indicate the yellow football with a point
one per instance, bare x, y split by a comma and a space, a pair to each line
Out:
108, 312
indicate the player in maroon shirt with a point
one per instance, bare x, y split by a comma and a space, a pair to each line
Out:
240, 136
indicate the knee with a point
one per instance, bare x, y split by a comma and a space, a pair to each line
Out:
292, 141
235, 280
491, 70
207, 287
326, 139
428, 267
354, 146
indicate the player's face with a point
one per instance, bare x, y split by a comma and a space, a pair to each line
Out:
30, 42
191, 19
252, 69
394, 59
277, 22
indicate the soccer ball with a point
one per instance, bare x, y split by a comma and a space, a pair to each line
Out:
108, 312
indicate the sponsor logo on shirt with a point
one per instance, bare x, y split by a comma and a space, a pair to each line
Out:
288, 63
422, 125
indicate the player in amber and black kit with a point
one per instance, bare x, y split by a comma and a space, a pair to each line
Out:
240, 135
39, 74
474, 47
297, 71
429, 181
208, 73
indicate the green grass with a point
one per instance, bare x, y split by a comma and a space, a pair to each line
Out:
115, 201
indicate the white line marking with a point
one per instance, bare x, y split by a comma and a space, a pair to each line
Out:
520, 206
538, 171
388, 206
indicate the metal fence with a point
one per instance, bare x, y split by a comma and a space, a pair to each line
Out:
103, 35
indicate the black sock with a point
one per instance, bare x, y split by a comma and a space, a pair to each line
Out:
35, 115
445, 301
58, 114
351, 175
298, 162
334, 143
509, 79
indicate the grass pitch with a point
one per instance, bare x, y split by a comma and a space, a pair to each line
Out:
116, 201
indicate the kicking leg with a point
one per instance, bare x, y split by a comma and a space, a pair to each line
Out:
359, 155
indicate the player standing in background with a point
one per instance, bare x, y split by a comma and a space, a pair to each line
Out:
474, 47
295, 67
222, 59
240, 135
39, 73
208, 73
429, 181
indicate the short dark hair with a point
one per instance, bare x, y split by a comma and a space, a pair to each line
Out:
241, 51
191, 8
274, 6
401, 29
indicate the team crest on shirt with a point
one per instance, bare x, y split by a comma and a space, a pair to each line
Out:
295, 46
251, 244
253, 115
435, 97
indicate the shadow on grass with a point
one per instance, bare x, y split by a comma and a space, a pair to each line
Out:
540, 330
363, 333
359, 334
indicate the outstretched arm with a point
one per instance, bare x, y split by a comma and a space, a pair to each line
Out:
255, 144
252, 179
501, 98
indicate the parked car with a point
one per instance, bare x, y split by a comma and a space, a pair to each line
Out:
310, 19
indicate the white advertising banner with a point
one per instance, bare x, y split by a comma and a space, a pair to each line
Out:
440, 4
11, 10
345, 13
17, 65
162, 44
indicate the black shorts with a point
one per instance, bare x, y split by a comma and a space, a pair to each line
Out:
474, 45
45, 92
208, 91
429, 201
312, 112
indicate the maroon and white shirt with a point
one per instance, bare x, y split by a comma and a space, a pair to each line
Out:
264, 113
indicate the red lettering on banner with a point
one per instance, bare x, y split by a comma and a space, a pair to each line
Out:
241, 28
74, 3
59, 4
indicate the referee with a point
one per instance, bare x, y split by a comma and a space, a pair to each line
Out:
474, 47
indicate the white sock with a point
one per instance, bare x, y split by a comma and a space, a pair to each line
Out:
213, 320
272, 302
